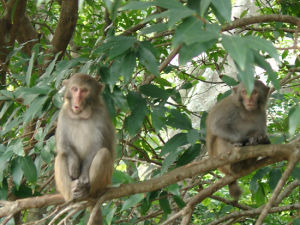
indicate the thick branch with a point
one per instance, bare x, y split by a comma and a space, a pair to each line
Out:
277, 152
262, 19
66, 26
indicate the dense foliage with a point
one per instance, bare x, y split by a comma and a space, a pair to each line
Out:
151, 56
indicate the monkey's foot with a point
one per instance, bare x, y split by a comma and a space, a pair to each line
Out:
79, 190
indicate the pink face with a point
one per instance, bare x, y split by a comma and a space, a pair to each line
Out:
250, 102
79, 95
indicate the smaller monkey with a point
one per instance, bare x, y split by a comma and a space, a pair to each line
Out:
85, 140
237, 120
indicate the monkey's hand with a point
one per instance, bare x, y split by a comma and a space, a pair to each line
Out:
259, 139
79, 190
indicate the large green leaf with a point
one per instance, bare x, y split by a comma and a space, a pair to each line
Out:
138, 108
172, 144
237, 49
179, 120
274, 177
132, 201
164, 202
153, 91
128, 65
170, 159
155, 28
260, 61
260, 44
148, 59
29, 70
120, 44
17, 172
189, 155
204, 4
28, 168
136, 5
193, 30
222, 9
188, 52
294, 119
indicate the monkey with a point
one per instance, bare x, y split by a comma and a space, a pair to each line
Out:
85, 139
237, 120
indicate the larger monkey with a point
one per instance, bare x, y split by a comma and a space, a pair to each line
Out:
238, 119
85, 140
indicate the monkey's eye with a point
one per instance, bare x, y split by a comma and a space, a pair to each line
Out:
84, 90
244, 92
74, 89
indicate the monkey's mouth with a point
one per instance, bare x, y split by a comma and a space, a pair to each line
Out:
251, 106
76, 109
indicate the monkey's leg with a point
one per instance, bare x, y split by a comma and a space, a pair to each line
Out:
62, 178
101, 171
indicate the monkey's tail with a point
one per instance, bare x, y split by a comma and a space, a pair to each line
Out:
234, 190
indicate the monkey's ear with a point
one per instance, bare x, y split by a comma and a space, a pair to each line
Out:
65, 82
235, 89
101, 87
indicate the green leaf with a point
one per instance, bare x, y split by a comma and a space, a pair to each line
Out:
172, 144
179, 120
188, 52
229, 80
51, 66
260, 61
120, 177
6, 95
223, 9
275, 176
170, 159
164, 202
17, 172
128, 65
170, 4
29, 70
259, 195
237, 49
193, 136
179, 201
132, 201
193, 31
153, 91
260, 44
134, 5
296, 173
176, 15
189, 155
296, 221
35, 108
294, 119
247, 76
158, 117
155, 28
147, 58
117, 48
17, 148
110, 215
258, 176
204, 4
138, 108
28, 168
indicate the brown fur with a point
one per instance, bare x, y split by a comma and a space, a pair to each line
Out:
230, 123
85, 142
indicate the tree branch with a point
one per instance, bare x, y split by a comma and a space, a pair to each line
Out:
262, 19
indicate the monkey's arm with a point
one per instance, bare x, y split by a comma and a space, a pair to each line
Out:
226, 125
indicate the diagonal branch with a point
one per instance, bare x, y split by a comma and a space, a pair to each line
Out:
292, 163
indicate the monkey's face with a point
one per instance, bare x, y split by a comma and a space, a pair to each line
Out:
250, 102
79, 96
